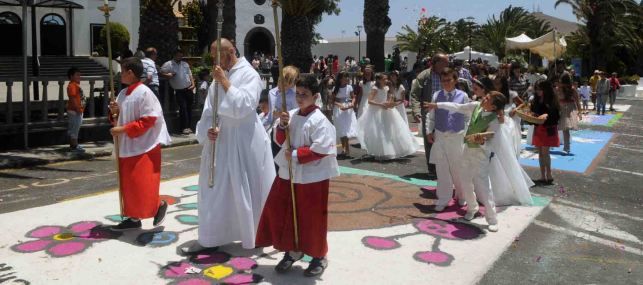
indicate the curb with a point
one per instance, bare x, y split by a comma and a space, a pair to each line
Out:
23, 162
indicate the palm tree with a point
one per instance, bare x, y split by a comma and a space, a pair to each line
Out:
298, 22
159, 28
376, 24
433, 35
512, 22
609, 26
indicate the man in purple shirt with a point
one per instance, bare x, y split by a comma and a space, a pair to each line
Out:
446, 129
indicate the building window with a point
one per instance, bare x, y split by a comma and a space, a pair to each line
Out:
259, 19
8, 18
260, 2
94, 37
52, 20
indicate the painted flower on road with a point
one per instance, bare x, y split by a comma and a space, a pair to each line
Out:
59, 241
212, 268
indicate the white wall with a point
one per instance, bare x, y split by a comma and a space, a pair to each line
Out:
349, 47
126, 12
246, 11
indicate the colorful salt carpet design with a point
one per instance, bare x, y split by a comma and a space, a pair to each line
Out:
382, 231
586, 145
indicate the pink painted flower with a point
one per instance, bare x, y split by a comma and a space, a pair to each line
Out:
438, 258
212, 268
380, 243
447, 229
58, 241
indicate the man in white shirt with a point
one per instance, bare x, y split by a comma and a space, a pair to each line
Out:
150, 73
181, 80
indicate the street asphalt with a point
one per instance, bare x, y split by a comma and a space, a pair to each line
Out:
589, 234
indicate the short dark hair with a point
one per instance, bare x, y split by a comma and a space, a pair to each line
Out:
308, 82
447, 71
498, 99
150, 51
134, 64
71, 71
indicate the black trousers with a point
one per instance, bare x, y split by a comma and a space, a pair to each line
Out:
184, 98
427, 146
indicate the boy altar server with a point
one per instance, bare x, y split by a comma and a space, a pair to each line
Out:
313, 155
445, 129
140, 132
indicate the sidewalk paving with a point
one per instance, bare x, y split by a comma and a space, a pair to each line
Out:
57, 153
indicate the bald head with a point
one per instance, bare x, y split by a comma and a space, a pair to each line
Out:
440, 61
228, 53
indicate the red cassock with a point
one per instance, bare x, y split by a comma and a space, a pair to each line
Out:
140, 179
276, 225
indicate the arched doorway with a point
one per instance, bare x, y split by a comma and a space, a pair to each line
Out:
259, 40
53, 35
11, 28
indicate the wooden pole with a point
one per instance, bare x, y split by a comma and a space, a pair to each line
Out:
106, 9
284, 108
215, 101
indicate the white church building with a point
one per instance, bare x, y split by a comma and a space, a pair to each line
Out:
72, 27
68, 28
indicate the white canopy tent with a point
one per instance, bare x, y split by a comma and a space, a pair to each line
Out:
464, 55
549, 46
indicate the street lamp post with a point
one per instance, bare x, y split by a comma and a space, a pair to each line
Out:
359, 43
470, 19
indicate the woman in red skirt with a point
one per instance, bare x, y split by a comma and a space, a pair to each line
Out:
545, 106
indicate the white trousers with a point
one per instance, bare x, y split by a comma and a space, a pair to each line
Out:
446, 154
475, 183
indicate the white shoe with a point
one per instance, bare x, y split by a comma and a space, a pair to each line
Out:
470, 215
493, 228
440, 208
462, 203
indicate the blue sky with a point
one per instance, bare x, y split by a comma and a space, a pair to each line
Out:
407, 12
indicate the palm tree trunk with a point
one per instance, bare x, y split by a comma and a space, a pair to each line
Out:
296, 39
376, 24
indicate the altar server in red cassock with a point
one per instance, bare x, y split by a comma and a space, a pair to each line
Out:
140, 131
313, 155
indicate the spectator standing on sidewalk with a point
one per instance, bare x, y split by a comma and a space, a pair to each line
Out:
593, 81
180, 76
615, 86
150, 72
75, 108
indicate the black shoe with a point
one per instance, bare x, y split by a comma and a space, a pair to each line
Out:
316, 267
285, 264
160, 214
127, 224
549, 182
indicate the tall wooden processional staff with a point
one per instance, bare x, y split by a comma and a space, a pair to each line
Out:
106, 9
215, 102
284, 108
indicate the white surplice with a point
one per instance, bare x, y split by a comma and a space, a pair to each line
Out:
244, 172
316, 132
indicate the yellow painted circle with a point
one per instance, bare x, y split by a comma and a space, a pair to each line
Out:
64, 236
218, 272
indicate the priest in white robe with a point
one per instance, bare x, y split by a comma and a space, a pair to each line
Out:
244, 168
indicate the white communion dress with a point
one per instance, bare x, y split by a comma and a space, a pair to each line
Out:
383, 133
